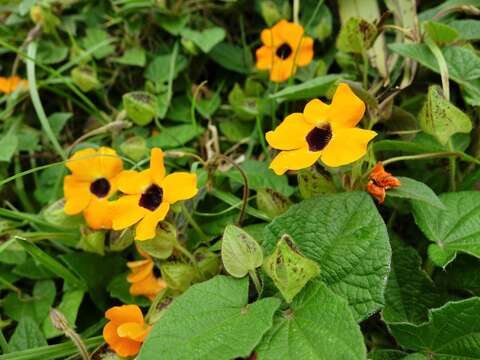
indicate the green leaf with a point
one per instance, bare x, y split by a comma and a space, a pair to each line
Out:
205, 39
27, 335
261, 177
93, 38
468, 29
119, 289
232, 58
462, 275
289, 270
356, 36
353, 251
222, 327
440, 33
240, 252
172, 24
415, 190
308, 89
410, 147
441, 118
319, 325
452, 332
386, 354
158, 70
452, 230
69, 307
161, 246
410, 292
51, 53
58, 120
8, 145
134, 56
174, 136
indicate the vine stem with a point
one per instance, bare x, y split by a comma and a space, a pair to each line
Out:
431, 156
256, 281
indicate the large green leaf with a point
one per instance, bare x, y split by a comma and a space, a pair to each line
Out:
211, 320
308, 89
452, 332
27, 335
462, 275
468, 29
452, 230
174, 136
205, 39
69, 307
415, 190
232, 57
346, 236
319, 325
410, 292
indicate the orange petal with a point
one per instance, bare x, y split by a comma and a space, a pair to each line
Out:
140, 273
347, 109
269, 39
126, 212
157, 167
98, 214
84, 165
290, 134
316, 112
110, 334
109, 162
288, 32
305, 52
281, 69
149, 287
77, 194
346, 146
179, 186
146, 228
294, 160
125, 313
133, 182
264, 57
127, 347
133, 331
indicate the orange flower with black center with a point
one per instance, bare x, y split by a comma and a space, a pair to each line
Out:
148, 196
143, 280
284, 49
126, 330
325, 132
380, 181
10, 84
92, 182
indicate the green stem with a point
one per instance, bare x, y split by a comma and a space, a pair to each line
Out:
296, 11
462, 156
442, 65
193, 223
256, 281
190, 256
453, 168
261, 136
365, 69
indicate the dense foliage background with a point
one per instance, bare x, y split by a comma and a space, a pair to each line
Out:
353, 279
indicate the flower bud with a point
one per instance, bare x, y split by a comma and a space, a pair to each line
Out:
311, 183
55, 215
36, 14
208, 262
140, 107
135, 148
189, 46
161, 246
120, 240
85, 78
178, 276
272, 203
92, 241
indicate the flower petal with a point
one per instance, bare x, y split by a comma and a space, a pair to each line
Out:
133, 331
347, 109
282, 69
179, 186
77, 194
126, 347
149, 287
140, 272
157, 167
146, 228
288, 32
110, 334
84, 164
316, 112
294, 160
305, 53
109, 162
347, 146
125, 313
133, 182
98, 214
126, 212
290, 134
264, 56
269, 38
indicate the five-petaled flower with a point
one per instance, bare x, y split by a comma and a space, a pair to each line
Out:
148, 196
380, 181
284, 48
10, 84
143, 280
322, 131
126, 330
92, 182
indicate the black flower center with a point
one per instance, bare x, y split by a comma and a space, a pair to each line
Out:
319, 137
151, 198
283, 51
100, 187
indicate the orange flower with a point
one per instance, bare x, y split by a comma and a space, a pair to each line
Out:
10, 84
126, 330
142, 278
149, 194
92, 182
322, 131
380, 181
284, 48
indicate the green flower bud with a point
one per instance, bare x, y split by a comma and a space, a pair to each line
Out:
85, 78
135, 148
55, 215
272, 203
92, 241
120, 240
189, 46
161, 246
208, 262
178, 276
311, 183
140, 107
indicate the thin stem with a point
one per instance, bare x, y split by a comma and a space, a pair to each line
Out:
193, 223
190, 257
261, 137
442, 65
452, 167
296, 11
365, 69
256, 281
431, 156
